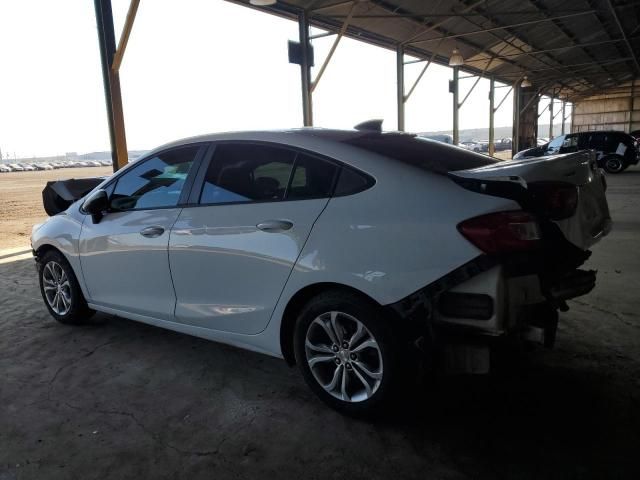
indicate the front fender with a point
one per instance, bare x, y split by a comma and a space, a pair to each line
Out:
62, 232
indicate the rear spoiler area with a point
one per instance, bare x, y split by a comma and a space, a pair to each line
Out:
59, 195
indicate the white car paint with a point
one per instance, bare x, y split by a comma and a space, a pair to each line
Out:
213, 274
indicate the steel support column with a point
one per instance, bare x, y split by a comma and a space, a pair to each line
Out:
400, 86
551, 118
456, 105
492, 94
526, 117
515, 135
305, 70
564, 106
631, 103
111, 80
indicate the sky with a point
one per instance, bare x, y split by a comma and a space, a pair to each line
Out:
193, 67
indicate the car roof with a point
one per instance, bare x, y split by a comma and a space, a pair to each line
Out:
617, 132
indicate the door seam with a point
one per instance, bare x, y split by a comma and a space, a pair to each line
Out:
284, 286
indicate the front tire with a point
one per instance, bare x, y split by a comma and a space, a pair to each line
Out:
61, 291
613, 164
347, 353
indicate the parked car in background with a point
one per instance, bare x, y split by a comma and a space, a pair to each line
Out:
106, 163
473, 145
280, 242
26, 167
4, 169
503, 144
443, 138
615, 151
16, 167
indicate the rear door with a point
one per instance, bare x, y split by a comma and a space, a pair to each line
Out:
231, 253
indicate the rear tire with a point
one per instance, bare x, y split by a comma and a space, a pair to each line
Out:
347, 353
613, 164
61, 291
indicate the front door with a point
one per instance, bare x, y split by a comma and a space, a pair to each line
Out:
231, 255
124, 257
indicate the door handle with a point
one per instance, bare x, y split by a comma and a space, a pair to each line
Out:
274, 225
152, 232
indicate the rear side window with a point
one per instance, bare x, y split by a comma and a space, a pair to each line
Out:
596, 141
246, 173
420, 152
351, 182
312, 178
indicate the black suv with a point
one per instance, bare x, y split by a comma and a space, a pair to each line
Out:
615, 151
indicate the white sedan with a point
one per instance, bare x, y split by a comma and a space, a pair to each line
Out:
337, 250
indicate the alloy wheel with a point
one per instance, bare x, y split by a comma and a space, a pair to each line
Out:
343, 356
57, 288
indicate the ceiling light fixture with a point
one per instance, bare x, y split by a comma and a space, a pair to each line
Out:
526, 83
456, 59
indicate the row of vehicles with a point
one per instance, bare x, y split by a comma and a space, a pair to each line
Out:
482, 146
31, 167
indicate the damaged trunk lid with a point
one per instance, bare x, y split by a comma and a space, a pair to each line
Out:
568, 190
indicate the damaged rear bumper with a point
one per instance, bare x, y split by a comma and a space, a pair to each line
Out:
490, 301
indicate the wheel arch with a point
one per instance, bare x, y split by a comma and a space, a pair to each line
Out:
74, 264
43, 249
297, 302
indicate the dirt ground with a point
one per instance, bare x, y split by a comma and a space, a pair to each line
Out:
119, 399
21, 200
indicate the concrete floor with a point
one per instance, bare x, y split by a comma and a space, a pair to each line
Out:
118, 399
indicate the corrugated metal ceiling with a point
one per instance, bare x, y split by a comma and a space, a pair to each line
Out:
572, 48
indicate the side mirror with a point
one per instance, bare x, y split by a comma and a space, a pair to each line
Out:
96, 204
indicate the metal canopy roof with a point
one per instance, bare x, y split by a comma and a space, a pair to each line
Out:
569, 48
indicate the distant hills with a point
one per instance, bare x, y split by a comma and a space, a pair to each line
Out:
500, 132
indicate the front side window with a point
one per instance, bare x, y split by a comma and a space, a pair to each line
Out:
570, 141
555, 144
155, 183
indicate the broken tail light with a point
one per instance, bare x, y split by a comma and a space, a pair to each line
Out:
502, 232
554, 200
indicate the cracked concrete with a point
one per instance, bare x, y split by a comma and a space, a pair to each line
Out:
117, 399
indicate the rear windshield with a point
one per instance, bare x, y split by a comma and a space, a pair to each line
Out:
420, 152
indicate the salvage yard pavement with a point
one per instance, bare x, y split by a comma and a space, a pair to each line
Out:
119, 399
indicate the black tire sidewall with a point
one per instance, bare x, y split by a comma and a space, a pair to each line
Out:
371, 317
79, 311
609, 158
